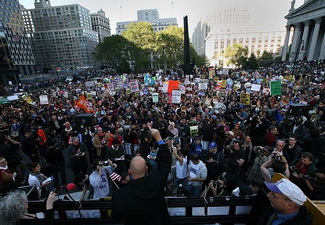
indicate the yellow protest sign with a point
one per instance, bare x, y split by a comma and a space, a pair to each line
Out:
245, 99
223, 83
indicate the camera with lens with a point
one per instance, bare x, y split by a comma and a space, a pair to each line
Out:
276, 156
307, 177
294, 169
216, 185
103, 163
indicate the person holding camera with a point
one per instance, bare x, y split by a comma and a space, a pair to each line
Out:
302, 169
99, 177
275, 164
142, 201
216, 188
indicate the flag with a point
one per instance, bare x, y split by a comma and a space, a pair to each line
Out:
114, 176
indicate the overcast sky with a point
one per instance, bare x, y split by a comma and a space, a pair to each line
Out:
265, 12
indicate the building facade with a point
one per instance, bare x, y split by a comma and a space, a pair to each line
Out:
100, 24
148, 15
307, 25
62, 36
256, 41
16, 51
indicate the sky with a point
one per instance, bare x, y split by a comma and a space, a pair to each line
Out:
265, 12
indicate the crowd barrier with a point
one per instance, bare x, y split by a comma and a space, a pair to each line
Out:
230, 210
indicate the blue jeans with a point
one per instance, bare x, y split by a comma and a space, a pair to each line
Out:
195, 191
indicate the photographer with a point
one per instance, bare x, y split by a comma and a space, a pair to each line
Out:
99, 177
216, 188
142, 200
302, 168
276, 164
316, 187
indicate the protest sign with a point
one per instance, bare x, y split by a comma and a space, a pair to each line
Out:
176, 96
134, 86
276, 88
194, 131
82, 103
43, 100
155, 97
203, 86
245, 99
256, 87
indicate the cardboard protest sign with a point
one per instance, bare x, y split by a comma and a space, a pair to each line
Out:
223, 83
89, 83
245, 99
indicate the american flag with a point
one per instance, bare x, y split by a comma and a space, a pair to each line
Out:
114, 176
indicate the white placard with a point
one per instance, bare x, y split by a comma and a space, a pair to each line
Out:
176, 96
89, 83
93, 93
203, 86
256, 87
13, 98
165, 87
43, 100
66, 94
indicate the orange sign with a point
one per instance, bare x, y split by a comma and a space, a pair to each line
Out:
83, 104
173, 85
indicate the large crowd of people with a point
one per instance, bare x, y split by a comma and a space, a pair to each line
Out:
220, 143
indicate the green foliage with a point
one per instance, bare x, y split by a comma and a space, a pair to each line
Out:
252, 62
236, 54
114, 52
145, 49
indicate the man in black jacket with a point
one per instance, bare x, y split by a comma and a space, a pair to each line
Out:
287, 205
142, 200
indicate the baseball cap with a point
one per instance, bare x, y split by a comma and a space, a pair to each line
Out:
289, 189
213, 145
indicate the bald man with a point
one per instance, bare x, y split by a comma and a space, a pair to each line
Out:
142, 200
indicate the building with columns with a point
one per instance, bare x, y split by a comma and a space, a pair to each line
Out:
306, 25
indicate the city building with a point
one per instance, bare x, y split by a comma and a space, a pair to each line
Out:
16, 54
148, 15
100, 24
307, 25
61, 36
233, 23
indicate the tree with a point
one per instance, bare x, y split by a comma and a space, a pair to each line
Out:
114, 52
236, 54
170, 45
266, 58
252, 62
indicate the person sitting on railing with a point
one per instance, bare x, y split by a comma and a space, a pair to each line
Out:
287, 205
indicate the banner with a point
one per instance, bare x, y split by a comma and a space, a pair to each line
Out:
176, 96
82, 103
245, 99
276, 87
155, 97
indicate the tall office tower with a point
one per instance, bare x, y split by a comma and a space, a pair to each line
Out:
16, 54
62, 36
148, 15
101, 24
